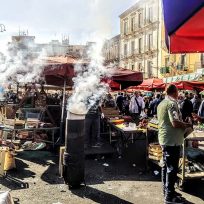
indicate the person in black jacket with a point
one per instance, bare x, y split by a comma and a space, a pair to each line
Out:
154, 104
119, 102
196, 101
186, 107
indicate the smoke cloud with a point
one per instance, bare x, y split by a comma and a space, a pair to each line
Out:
88, 87
21, 65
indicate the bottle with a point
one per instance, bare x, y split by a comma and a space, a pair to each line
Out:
17, 114
43, 96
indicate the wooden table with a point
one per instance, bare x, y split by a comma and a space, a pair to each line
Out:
130, 137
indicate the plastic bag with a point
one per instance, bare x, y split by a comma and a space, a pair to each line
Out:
5, 198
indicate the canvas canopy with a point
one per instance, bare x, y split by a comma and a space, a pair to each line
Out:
184, 25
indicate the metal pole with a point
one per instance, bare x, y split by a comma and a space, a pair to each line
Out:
158, 41
62, 113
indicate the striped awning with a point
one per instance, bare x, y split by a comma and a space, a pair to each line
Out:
186, 77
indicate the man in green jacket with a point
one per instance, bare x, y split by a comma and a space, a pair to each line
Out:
171, 136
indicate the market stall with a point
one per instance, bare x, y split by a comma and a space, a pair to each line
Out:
60, 71
129, 140
191, 165
192, 161
25, 127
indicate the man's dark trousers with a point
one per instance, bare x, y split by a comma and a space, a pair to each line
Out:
92, 130
171, 155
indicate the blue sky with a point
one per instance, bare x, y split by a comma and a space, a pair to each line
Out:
50, 19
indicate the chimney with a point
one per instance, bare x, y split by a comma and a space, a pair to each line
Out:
73, 160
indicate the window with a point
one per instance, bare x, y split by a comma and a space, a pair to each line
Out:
125, 50
132, 23
183, 59
140, 45
140, 20
150, 41
133, 67
150, 12
117, 51
132, 47
149, 67
166, 61
202, 60
125, 27
140, 67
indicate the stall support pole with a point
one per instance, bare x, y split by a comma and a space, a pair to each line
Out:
183, 161
62, 113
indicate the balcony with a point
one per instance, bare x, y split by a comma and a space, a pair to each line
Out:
151, 25
138, 53
165, 70
197, 65
130, 55
141, 69
126, 34
148, 21
181, 67
123, 57
150, 51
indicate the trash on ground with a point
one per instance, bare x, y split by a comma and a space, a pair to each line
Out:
105, 164
156, 173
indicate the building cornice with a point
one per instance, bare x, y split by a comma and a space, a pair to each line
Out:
135, 7
132, 8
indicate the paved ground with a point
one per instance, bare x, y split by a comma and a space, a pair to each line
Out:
37, 182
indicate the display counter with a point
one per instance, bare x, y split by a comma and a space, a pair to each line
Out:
130, 141
14, 132
191, 164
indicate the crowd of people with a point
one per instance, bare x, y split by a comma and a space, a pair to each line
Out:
139, 104
12, 97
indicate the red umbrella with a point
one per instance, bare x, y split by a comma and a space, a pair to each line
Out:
149, 84
58, 70
189, 85
59, 74
126, 77
112, 84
